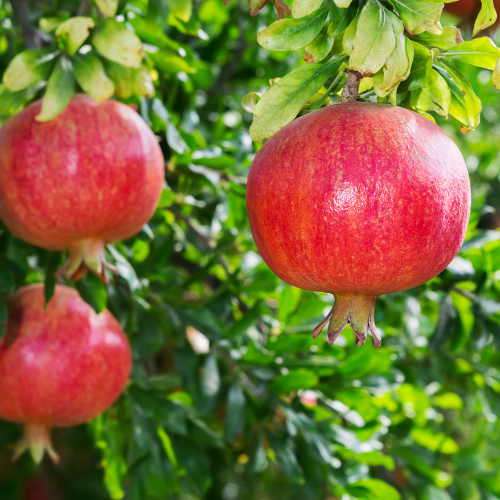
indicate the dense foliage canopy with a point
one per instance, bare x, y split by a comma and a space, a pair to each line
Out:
230, 397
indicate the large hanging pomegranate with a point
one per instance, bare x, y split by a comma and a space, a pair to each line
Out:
91, 176
359, 200
60, 366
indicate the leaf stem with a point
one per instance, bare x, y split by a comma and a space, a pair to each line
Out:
350, 90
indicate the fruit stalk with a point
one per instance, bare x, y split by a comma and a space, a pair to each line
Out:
350, 90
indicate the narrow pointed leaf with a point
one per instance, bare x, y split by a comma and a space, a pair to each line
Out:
60, 90
486, 17
182, 9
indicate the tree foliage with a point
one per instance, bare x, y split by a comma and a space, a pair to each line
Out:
230, 397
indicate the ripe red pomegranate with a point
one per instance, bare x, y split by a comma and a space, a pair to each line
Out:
359, 200
91, 176
60, 366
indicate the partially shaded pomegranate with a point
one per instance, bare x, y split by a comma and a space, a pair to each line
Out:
60, 366
359, 200
91, 176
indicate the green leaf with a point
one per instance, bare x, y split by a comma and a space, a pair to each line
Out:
283, 101
91, 76
319, 48
435, 95
434, 441
448, 400
60, 90
420, 71
107, 7
350, 35
469, 114
28, 68
486, 17
167, 445
174, 139
7, 282
454, 88
93, 291
50, 278
235, 413
420, 16
295, 380
123, 78
374, 41
372, 489
291, 34
340, 18
450, 37
72, 33
182, 9
117, 43
481, 52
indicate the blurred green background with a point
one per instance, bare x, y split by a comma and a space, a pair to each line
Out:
262, 411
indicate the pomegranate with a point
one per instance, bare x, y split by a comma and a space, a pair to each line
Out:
91, 176
359, 200
59, 366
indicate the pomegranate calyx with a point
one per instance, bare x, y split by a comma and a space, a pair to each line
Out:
37, 440
85, 255
355, 309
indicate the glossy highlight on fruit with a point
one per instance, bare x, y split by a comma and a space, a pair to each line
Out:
92, 175
358, 200
60, 366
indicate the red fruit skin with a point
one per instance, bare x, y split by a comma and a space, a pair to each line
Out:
95, 171
358, 198
461, 8
61, 366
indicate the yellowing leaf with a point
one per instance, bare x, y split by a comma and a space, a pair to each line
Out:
420, 16
374, 40
91, 76
28, 68
72, 33
107, 7
486, 17
301, 8
291, 34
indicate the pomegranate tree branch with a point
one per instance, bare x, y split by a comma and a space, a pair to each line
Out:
33, 37
350, 90
84, 7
